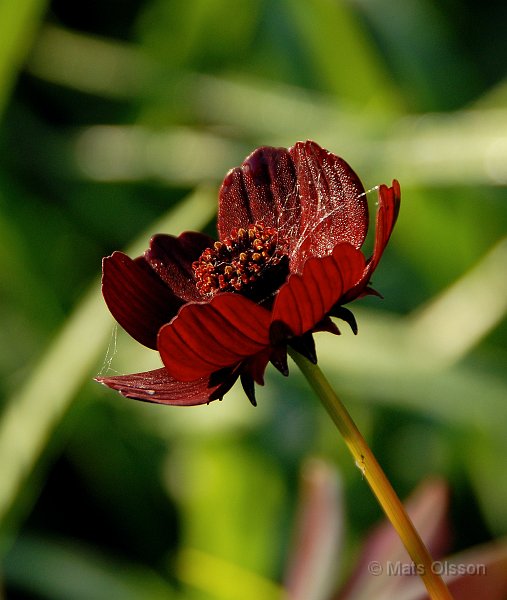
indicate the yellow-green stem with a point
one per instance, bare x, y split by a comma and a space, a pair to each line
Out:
376, 478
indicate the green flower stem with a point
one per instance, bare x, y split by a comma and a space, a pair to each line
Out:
375, 476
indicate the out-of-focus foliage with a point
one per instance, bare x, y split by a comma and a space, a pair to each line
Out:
119, 119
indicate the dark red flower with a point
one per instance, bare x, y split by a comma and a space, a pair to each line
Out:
291, 223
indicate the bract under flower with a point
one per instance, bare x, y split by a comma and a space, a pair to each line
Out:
291, 223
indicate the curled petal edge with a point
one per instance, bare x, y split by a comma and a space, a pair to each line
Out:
158, 387
387, 214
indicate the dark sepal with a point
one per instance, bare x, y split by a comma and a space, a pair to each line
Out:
220, 376
369, 291
305, 345
327, 325
279, 333
226, 385
249, 387
346, 315
278, 359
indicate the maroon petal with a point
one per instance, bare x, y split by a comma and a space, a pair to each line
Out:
137, 298
206, 337
305, 299
263, 189
388, 209
172, 257
157, 386
333, 203
310, 195
387, 213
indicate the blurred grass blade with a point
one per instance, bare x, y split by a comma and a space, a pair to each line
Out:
420, 26
64, 570
342, 55
222, 579
482, 463
179, 155
35, 409
112, 69
465, 147
223, 479
18, 21
401, 373
454, 322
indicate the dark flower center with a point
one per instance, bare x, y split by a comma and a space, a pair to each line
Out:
251, 261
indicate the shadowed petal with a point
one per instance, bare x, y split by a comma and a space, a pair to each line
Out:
172, 257
263, 189
305, 299
137, 298
206, 337
157, 386
333, 203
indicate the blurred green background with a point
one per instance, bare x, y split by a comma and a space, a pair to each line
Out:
118, 120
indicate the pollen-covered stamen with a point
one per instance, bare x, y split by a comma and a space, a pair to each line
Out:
251, 261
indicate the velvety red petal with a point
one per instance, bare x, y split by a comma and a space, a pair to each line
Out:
172, 257
137, 298
333, 203
388, 209
387, 213
305, 299
206, 337
263, 189
310, 195
157, 386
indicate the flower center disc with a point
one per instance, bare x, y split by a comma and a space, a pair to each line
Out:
251, 261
